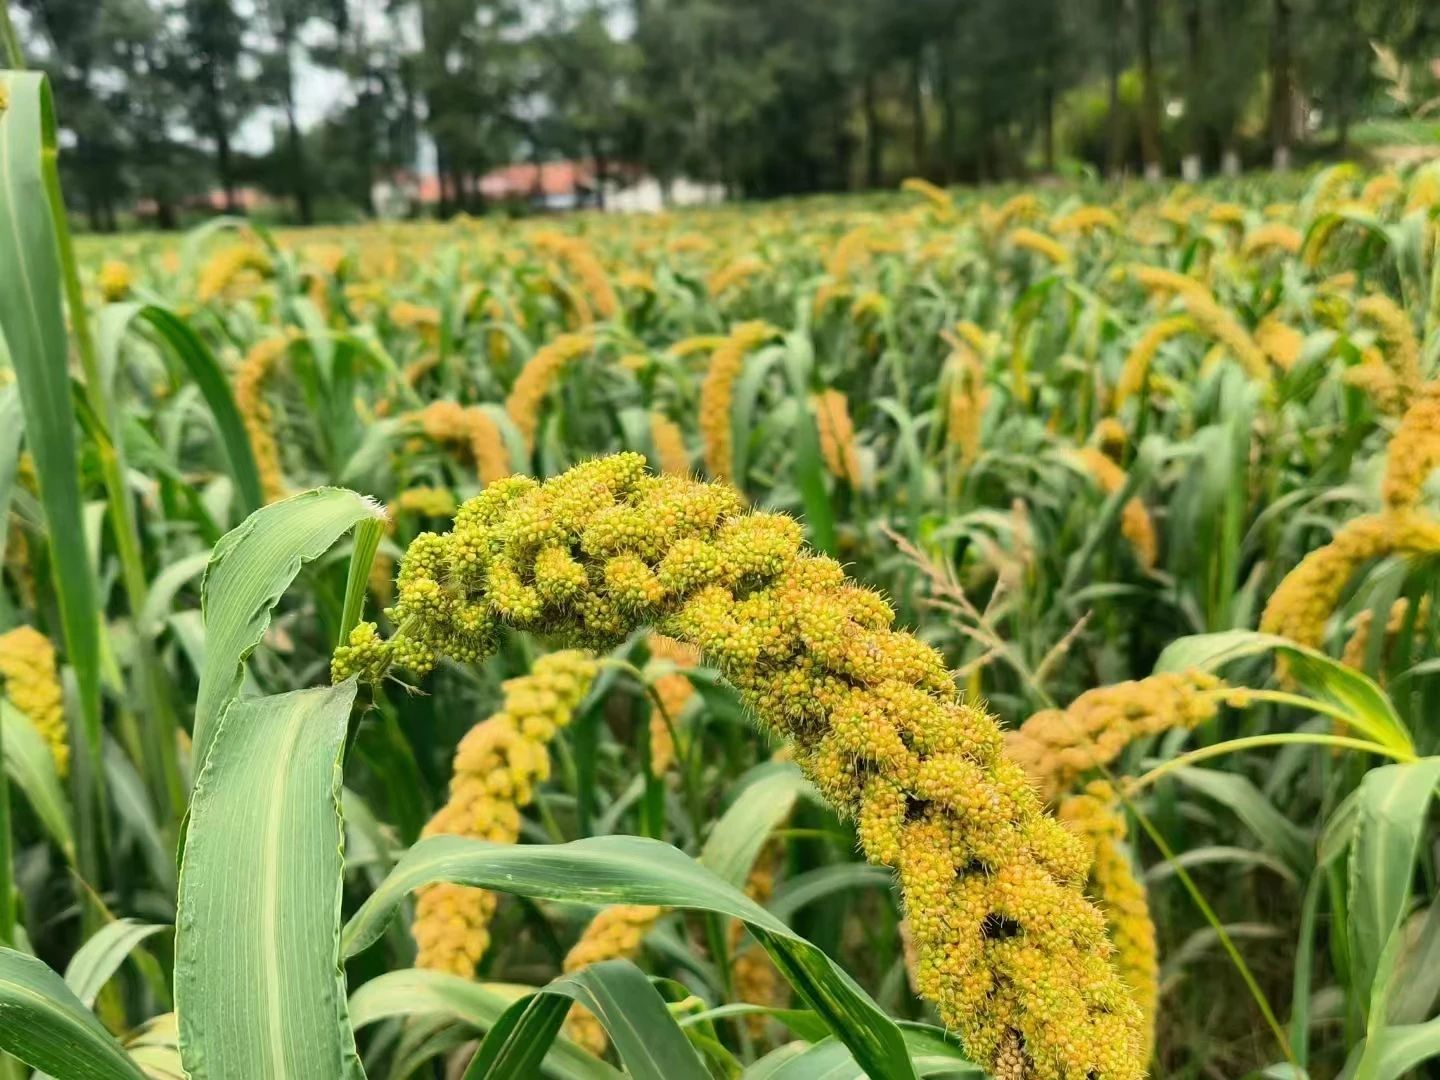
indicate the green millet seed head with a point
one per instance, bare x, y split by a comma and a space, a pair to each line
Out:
1008, 948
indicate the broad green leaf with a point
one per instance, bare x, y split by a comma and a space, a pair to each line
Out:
29, 763
1394, 1052
258, 985
204, 370
635, 870
1240, 794
49, 1028
1369, 708
252, 566
1417, 975
155, 1047
815, 885
757, 809
931, 1051
12, 428
414, 991
167, 583
33, 323
1391, 814
100, 957
646, 1037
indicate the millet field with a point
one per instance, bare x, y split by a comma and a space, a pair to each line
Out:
944, 634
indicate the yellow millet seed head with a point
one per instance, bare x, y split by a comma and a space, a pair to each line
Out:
614, 934
1280, 341
1141, 355
251, 379
1085, 219
1057, 746
733, 274
425, 501
671, 454
1163, 283
1119, 891
837, 436
673, 691
32, 683
1303, 602
1038, 243
536, 378
938, 198
1400, 346
1221, 326
497, 765
1357, 646
1272, 236
1005, 938
717, 394
227, 266
1136, 524
579, 258
115, 280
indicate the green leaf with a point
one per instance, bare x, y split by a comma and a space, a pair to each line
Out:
1241, 795
635, 870
12, 428
47, 1027
253, 564
1394, 1052
646, 1037
1391, 813
414, 991
931, 1051
31, 765
1368, 707
258, 985
33, 323
754, 813
205, 372
100, 957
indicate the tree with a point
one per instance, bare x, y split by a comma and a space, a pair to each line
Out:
210, 71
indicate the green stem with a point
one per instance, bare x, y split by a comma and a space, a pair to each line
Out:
1356, 720
161, 726
14, 55
7, 869
9, 1069
1432, 310
367, 541
1255, 741
1225, 940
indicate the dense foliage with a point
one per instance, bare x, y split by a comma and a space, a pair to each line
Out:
176, 107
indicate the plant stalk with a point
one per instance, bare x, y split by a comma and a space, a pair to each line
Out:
161, 724
14, 55
1255, 741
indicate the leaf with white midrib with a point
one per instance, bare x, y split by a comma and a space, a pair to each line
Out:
258, 986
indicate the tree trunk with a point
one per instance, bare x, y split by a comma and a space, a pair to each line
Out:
220, 132
949, 124
1280, 83
872, 133
298, 176
1149, 89
1115, 123
1047, 118
917, 114
1194, 112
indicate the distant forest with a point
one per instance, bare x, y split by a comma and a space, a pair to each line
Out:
767, 97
